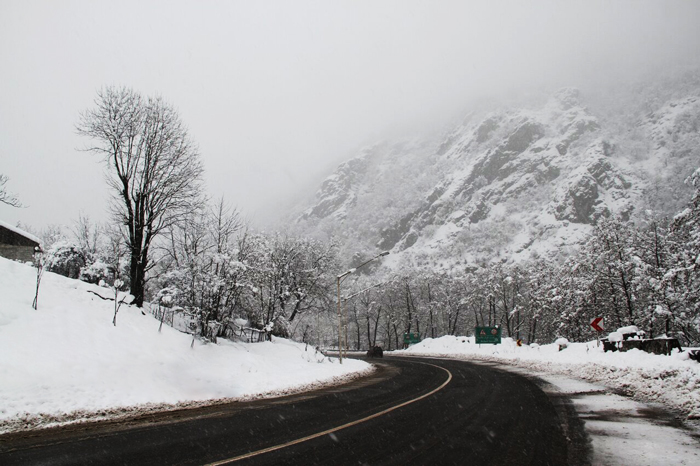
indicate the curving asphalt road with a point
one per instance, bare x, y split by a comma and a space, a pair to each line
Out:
411, 412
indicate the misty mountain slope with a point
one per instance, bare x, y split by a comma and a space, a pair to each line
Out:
384, 176
674, 140
513, 183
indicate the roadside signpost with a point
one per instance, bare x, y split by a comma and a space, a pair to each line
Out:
597, 325
410, 339
488, 335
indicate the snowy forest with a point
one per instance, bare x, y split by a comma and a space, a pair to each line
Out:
198, 264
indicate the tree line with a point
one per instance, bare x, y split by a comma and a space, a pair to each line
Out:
644, 274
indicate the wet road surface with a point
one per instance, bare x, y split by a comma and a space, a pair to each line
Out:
411, 412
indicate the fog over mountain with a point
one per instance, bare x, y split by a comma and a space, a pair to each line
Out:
519, 181
276, 93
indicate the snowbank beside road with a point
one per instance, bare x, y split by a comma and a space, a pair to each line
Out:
672, 380
66, 361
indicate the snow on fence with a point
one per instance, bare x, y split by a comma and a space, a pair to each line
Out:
179, 319
249, 334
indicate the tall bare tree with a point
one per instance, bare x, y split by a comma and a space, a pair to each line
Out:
152, 166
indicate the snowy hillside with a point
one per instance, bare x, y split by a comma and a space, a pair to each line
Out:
517, 182
66, 361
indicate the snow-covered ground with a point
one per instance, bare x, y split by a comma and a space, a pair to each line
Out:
623, 430
66, 361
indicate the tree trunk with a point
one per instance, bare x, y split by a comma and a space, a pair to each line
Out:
136, 278
376, 326
454, 324
533, 330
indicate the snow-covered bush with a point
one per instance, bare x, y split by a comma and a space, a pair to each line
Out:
562, 343
65, 259
96, 272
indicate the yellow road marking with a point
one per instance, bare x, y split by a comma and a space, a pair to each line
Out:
335, 429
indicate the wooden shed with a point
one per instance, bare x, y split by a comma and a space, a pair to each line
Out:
16, 244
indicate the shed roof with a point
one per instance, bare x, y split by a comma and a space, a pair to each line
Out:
18, 231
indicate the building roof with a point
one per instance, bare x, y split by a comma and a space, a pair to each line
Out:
20, 232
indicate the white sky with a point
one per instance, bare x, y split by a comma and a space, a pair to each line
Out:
277, 93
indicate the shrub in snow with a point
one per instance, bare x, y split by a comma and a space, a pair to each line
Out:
65, 259
97, 272
278, 328
165, 298
562, 343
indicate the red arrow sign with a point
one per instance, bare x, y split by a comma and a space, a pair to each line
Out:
595, 322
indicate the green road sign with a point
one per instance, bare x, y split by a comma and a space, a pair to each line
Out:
411, 338
488, 335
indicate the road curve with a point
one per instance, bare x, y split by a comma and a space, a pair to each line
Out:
413, 411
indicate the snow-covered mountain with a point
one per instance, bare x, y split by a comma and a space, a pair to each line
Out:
512, 183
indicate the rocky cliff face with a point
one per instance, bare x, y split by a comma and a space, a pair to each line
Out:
338, 191
511, 183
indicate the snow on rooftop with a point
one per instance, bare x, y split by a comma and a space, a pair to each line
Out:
14, 229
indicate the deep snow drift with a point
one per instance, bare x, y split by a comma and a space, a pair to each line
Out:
66, 361
671, 380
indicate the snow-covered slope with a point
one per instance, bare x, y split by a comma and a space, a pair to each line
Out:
66, 361
515, 182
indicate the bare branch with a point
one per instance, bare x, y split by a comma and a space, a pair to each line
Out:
153, 168
5, 197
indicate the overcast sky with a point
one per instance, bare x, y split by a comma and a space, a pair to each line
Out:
277, 93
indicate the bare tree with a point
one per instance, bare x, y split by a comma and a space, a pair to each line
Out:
87, 234
5, 197
200, 262
152, 166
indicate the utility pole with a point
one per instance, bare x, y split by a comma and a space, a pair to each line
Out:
340, 278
